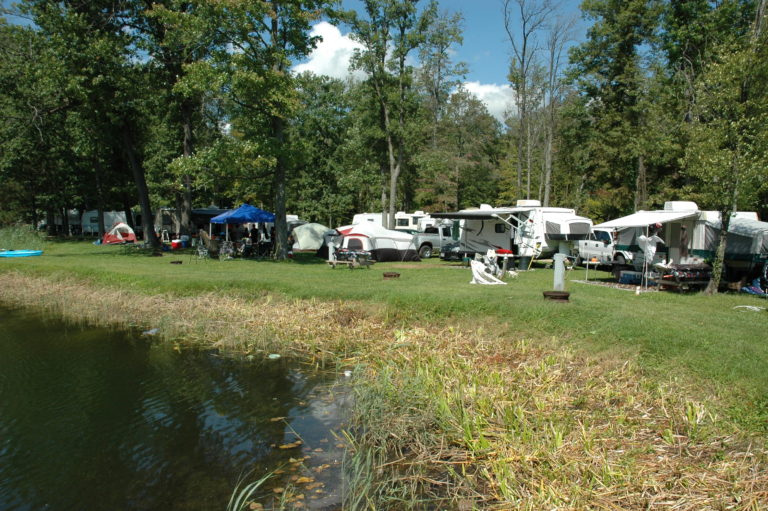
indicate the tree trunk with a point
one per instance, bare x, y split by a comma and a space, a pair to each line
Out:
99, 196
641, 190
717, 266
141, 189
185, 211
281, 226
50, 220
65, 222
548, 167
384, 205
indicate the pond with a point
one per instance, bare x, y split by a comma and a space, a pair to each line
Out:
92, 418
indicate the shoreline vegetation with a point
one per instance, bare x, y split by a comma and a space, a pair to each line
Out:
460, 406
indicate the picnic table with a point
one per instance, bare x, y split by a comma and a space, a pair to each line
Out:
352, 259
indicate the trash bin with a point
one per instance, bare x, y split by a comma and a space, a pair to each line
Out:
524, 263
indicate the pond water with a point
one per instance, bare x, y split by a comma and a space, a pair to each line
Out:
93, 418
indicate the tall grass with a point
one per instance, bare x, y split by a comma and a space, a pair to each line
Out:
242, 495
21, 237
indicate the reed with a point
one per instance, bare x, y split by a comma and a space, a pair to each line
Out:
21, 237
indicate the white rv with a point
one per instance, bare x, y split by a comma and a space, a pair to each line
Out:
528, 230
90, 220
416, 221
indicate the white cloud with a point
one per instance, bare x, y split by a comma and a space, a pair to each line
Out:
497, 98
332, 55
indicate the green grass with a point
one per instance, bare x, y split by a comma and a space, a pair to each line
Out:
671, 333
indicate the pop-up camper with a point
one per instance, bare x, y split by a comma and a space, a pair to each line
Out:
383, 244
528, 230
691, 236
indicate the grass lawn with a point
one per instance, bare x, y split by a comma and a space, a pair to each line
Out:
673, 334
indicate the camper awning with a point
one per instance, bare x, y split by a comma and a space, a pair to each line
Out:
643, 218
476, 214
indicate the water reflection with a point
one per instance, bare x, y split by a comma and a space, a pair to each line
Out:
95, 419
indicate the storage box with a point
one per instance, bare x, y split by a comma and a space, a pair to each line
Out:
630, 277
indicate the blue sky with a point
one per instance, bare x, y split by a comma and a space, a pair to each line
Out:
486, 49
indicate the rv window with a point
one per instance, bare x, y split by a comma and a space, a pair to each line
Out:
447, 232
500, 228
355, 244
402, 222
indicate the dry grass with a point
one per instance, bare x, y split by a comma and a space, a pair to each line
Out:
461, 417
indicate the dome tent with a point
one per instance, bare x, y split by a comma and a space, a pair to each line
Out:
119, 233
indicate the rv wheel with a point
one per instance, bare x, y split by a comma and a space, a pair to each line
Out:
425, 252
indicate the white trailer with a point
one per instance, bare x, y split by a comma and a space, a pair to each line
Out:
528, 230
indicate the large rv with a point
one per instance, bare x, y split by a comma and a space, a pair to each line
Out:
528, 230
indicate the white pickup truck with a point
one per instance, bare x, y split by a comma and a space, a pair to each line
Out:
601, 246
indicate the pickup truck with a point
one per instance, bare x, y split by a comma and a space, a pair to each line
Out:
600, 245
432, 239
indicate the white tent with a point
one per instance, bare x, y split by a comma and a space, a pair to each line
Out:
308, 236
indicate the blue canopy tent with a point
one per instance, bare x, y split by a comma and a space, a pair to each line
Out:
243, 215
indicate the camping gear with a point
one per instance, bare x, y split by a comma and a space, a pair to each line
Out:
175, 244
20, 253
481, 275
119, 233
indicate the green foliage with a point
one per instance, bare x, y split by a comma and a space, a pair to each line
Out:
21, 237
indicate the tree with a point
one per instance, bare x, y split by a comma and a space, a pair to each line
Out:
250, 70
393, 29
522, 20
727, 149
610, 72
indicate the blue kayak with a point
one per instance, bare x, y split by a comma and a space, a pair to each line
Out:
20, 253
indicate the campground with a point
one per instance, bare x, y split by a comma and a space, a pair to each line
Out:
486, 396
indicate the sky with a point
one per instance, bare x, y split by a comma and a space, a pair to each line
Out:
486, 49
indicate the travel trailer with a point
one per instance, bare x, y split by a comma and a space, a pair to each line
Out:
90, 220
691, 236
416, 221
383, 244
528, 230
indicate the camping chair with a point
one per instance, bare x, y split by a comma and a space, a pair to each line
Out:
227, 250
199, 253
